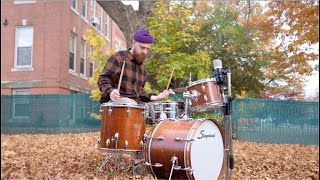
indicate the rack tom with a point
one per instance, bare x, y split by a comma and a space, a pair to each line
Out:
205, 95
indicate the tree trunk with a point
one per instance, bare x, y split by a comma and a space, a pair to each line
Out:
126, 17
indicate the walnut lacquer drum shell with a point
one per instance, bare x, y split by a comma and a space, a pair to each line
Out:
197, 144
126, 120
209, 95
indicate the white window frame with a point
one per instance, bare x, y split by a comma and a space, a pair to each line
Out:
101, 19
25, 101
17, 40
23, 1
107, 27
84, 3
76, 4
74, 36
116, 45
83, 56
93, 8
91, 61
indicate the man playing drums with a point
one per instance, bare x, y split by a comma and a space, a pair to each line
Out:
134, 74
123, 77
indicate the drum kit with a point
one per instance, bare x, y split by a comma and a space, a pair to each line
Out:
177, 146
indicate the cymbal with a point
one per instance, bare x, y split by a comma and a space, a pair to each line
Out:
179, 90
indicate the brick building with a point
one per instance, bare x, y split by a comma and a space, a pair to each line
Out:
43, 49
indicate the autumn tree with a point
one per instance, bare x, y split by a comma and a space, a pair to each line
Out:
174, 30
99, 55
225, 38
292, 33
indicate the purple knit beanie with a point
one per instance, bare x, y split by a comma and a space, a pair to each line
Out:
143, 36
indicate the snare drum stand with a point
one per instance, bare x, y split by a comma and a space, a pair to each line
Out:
228, 130
188, 96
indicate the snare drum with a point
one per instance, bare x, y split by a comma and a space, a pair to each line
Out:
191, 149
164, 110
122, 126
206, 93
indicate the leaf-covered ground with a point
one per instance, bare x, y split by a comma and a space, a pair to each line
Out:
75, 156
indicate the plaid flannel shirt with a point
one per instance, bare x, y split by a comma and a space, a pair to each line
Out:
133, 79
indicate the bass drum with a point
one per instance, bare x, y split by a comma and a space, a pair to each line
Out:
186, 149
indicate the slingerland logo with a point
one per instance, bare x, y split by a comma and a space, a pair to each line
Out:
204, 135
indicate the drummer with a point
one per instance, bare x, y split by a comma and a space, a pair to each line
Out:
134, 74
132, 81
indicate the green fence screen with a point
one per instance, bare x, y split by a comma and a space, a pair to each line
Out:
276, 121
257, 120
48, 114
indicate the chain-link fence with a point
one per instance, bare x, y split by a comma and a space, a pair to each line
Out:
48, 114
276, 121
253, 119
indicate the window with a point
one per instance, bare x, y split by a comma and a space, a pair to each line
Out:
117, 46
84, 8
106, 25
91, 69
101, 20
93, 8
24, 44
91, 65
21, 104
83, 58
72, 55
74, 4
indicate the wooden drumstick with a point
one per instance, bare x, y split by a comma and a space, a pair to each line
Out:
170, 78
121, 76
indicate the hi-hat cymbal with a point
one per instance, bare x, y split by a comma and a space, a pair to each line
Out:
179, 90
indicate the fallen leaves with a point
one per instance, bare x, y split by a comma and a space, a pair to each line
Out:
75, 156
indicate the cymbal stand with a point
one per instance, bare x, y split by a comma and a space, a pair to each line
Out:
228, 130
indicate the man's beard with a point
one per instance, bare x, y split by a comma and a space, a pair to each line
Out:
139, 58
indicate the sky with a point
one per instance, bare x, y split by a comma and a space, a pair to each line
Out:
311, 84
135, 4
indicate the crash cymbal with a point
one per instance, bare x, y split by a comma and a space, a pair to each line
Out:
179, 90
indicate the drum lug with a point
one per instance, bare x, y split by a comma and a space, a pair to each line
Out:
108, 142
145, 137
145, 114
98, 140
203, 88
183, 169
155, 164
126, 143
160, 138
128, 112
205, 98
115, 137
141, 144
180, 139
195, 95
109, 111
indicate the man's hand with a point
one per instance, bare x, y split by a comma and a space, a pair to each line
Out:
114, 95
163, 95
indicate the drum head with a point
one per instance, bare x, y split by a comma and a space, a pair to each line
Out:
125, 100
207, 151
